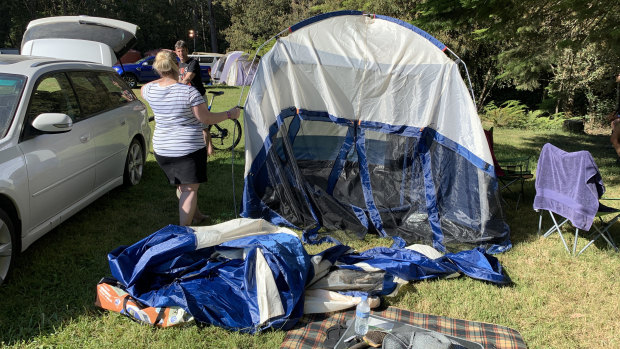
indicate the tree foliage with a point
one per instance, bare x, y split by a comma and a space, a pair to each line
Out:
161, 22
564, 51
255, 21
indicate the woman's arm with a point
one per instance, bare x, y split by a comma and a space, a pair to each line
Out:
142, 91
206, 117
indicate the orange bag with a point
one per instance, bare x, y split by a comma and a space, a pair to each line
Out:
111, 295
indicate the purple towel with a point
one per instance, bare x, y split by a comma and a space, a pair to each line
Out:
568, 184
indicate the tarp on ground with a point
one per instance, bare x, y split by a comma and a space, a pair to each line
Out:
249, 275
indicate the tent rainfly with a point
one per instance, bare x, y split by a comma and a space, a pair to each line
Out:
362, 123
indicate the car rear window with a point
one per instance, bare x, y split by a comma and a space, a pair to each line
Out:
91, 93
116, 88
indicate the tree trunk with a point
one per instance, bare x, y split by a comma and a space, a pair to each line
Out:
487, 86
212, 27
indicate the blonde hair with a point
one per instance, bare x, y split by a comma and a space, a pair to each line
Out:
166, 64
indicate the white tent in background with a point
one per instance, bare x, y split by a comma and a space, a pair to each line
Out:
236, 69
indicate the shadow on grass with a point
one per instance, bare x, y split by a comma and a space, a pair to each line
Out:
53, 282
223, 87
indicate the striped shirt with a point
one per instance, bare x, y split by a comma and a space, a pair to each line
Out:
177, 131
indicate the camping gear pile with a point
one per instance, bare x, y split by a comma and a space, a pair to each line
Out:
249, 275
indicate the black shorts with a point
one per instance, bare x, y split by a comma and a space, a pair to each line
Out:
186, 169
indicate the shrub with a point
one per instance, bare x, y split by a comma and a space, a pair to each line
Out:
514, 114
509, 114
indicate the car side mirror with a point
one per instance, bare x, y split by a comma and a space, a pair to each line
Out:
145, 63
53, 123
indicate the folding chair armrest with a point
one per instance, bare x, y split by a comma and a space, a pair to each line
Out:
523, 160
515, 165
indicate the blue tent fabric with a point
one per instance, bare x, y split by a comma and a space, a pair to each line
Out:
412, 265
218, 285
165, 269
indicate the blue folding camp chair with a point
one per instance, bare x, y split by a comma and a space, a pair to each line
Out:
570, 185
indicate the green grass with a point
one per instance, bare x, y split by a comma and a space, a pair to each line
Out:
557, 301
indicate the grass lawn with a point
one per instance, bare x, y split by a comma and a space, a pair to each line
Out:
557, 301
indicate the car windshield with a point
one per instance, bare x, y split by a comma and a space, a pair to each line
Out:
142, 60
11, 87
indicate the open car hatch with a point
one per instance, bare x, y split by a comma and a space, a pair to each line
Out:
84, 38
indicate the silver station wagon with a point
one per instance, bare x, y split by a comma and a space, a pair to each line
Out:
70, 131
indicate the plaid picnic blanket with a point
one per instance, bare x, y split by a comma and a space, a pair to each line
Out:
310, 330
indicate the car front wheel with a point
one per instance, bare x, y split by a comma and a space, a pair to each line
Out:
134, 165
131, 80
8, 245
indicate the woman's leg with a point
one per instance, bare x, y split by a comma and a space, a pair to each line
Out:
188, 200
207, 137
198, 216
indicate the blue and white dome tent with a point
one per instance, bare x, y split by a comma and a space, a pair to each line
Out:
363, 123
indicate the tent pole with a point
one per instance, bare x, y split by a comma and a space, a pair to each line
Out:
470, 87
254, 60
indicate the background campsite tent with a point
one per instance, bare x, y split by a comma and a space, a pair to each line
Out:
216, 71
361, 123
237, 69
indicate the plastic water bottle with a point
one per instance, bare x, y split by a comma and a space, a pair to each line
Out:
362, 313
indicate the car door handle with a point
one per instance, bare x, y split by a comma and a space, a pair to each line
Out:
84, 139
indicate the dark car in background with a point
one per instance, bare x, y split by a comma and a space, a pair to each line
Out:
142, 71
139, 72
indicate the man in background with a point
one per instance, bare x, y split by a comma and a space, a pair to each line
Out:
189, 74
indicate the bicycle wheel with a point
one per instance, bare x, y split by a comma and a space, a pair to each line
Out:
222, 134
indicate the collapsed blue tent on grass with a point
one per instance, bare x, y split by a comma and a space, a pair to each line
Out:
249, 275
362, 123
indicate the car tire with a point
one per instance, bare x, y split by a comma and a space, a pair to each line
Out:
134, 164
9, 245
131, 80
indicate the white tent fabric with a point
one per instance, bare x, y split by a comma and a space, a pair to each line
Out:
363, 68
363, 123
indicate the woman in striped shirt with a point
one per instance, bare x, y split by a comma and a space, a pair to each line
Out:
180, 112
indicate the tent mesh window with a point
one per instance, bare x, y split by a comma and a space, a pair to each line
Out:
349, 177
